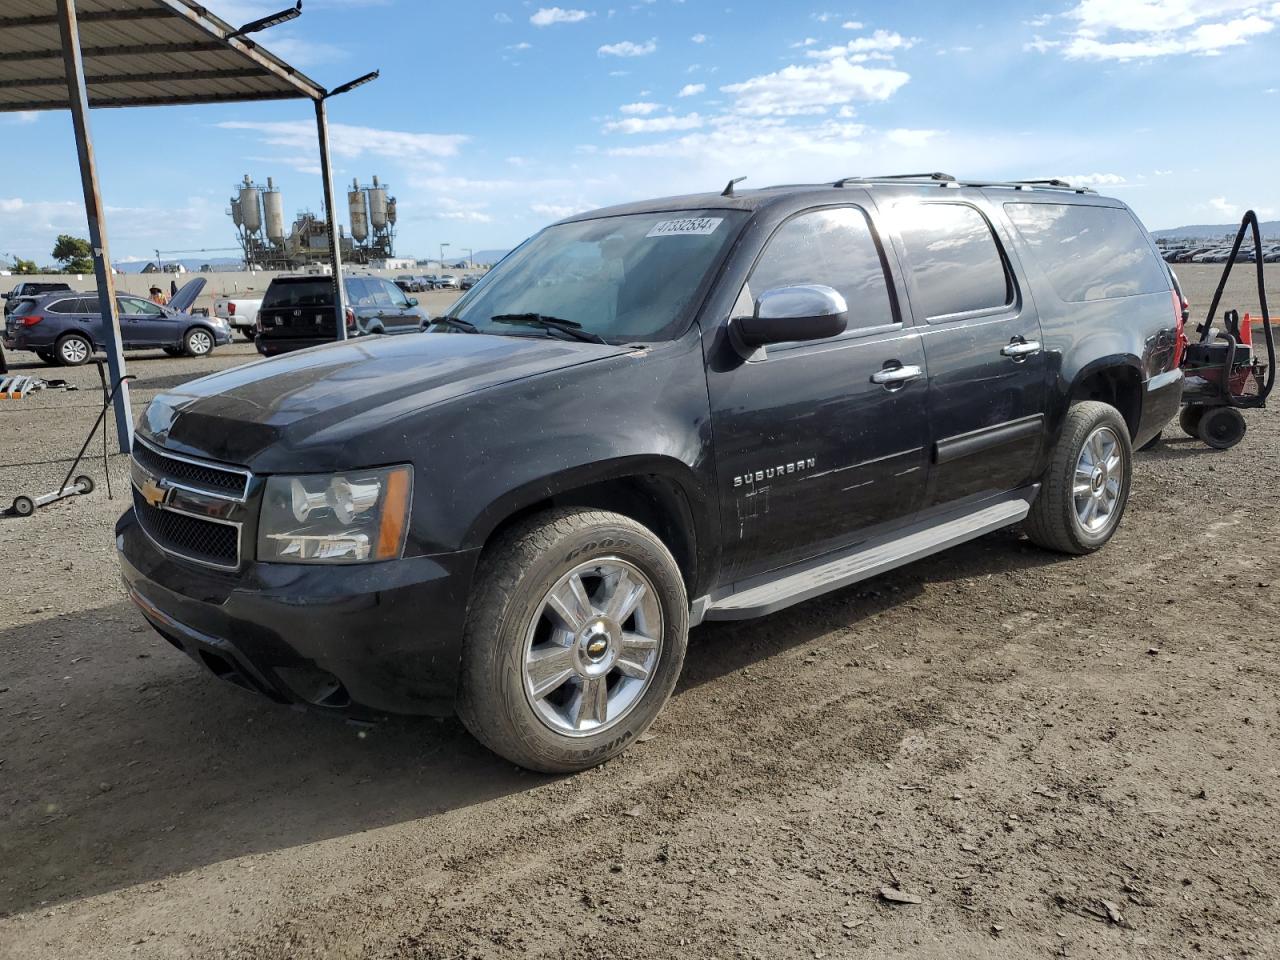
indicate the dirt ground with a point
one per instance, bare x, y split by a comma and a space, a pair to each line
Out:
1058, 757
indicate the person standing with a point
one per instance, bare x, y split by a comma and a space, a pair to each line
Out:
157, 296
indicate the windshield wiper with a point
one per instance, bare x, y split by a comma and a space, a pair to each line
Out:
454, 323
550, 324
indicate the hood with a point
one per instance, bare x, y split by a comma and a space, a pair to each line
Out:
186, 296
312, 406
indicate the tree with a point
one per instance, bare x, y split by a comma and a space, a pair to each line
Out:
25, 267
75, 254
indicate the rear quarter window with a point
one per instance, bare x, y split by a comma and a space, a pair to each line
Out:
299, 293
955, 259
1089, 252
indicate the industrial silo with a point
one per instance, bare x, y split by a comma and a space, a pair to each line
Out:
250, 212
378, 205
359, 212
236, 216
273, 212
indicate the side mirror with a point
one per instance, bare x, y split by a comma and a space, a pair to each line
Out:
413, 301
803, 312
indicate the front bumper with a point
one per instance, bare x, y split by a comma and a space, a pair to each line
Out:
361, 640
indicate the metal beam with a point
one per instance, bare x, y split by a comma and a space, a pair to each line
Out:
78, 96
217, 28
169, 76
170, 101
121, 50
331, 218
98, 16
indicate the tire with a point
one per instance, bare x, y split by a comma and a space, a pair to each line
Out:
1222, 427
197, 342
84, 483
511, 615
1060, 518
1152, 443
23, 506
72, 350
1189, 420
47, 357
248, 334
173, 351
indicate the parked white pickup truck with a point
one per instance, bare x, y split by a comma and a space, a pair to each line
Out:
240, 312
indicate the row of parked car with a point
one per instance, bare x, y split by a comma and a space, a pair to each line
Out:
1216, 253
432, 281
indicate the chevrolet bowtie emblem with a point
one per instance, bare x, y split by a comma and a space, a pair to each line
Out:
153, 493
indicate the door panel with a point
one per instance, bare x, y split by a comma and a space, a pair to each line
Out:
982, 341
810, 449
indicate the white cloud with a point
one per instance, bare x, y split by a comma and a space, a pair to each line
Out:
692, 89
23, 117
1220, 205
1146, 29
501, 17
851, 25
1092, 179
641, 109
522, 45
882, 41
654, 124
699, 38
556, 211
806, 42
627, 48
797, 90
546, 16
352, 142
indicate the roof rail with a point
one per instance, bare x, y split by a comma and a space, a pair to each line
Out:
945, 180
935, 176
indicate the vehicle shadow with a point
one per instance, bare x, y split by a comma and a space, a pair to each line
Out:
126, 764
123, 763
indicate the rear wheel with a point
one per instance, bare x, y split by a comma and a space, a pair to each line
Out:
73, 350
198, 342
574, 641
1084, 491
47, 357
1222, 427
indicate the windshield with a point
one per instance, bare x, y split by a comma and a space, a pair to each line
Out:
626, 278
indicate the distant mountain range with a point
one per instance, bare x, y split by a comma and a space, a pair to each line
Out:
234, 263
1208, 231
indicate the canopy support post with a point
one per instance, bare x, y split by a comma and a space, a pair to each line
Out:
78, 99
331, 218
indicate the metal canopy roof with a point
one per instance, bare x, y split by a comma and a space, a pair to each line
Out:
138, 53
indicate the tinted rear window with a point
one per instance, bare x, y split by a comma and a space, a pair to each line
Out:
299, 293
1087, 252
64, 306
955, 258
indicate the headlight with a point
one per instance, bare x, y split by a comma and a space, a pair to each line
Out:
350, 517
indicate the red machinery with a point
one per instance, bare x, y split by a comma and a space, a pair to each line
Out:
1224, 374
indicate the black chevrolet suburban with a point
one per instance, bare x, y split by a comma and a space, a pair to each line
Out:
703, 407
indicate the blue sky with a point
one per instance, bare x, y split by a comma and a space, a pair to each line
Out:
493, 119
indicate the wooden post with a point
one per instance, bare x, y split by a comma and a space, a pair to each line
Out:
331, 217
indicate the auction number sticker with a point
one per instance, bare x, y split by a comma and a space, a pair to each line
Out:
689, 227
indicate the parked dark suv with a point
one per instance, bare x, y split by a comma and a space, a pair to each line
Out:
297, 312
704, 407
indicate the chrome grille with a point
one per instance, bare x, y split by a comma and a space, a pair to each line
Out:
193, 474
205, 541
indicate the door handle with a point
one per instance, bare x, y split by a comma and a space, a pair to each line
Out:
897, 376
1020, 349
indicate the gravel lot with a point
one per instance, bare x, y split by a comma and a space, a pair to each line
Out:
1057, 757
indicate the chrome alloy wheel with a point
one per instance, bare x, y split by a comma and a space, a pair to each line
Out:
1098, 480
200, 343
75, 350
593, 647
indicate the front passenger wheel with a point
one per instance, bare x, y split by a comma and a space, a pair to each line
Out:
1084, 492
198, 342
575, 638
